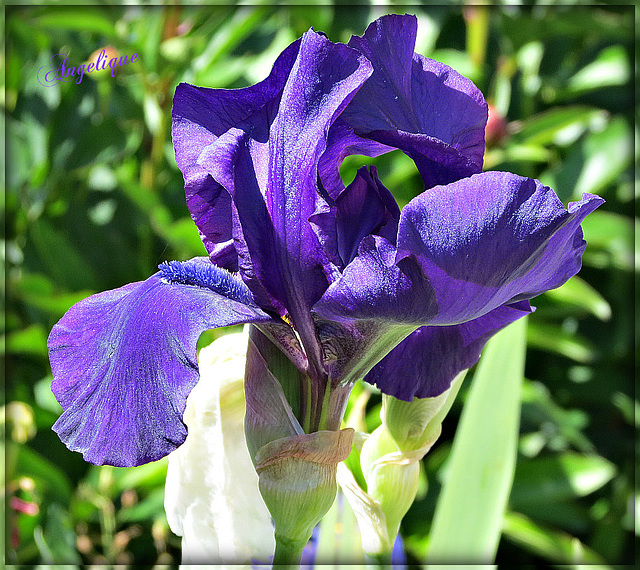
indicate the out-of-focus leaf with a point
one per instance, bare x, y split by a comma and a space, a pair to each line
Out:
554, 339
57, 544
569, 516
469, 515
77, 19
610, 237
44, 396
558, 478
552, 545
610, 68
607, 153
555, 126
241, 24
37, 290
594, 163
629, 407
31, 340
339, 537
578, 293
539, 407
516, 153
147, 509
146, 476
65, 263
49, 479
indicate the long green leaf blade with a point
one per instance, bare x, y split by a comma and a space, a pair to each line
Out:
469, 516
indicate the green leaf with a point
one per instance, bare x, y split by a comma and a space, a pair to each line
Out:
57, 544
77, 19
554, 339
595, 162
610, 68
146, 509
539, 407
146, 476
469, 515
555, 126
339, 537
559, 477
610, 240
578, 293
47, 476
37, 290
553, 545
31, 340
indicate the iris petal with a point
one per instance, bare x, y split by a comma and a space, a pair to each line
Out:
491, 239
269, 165
200, 115
463, 250
124, 362
373, 287
423, 107
424, 364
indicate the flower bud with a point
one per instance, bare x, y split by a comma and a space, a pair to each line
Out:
392, 477
417, 423
297, 480
390, 461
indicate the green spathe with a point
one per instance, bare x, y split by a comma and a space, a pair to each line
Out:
297, 480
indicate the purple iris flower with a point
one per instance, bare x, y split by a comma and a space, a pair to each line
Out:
339, 279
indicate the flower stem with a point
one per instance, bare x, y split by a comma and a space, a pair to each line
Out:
379, 560
288, 552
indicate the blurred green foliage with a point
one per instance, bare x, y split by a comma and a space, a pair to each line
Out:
95, 200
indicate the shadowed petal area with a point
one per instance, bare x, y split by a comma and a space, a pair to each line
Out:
373, 287
492, 239
365, 207
423, 107
424, 364
124, 361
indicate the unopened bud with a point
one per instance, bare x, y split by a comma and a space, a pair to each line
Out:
297, 480
390, 461
417, 423
392, 477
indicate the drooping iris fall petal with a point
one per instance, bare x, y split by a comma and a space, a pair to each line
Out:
124, 362
424, 364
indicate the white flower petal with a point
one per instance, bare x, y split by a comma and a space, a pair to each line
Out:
211, 494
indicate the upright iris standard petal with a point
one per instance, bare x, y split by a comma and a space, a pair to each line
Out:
124, 362
365, 207
200, 115
424, 364
269, 166
413, 103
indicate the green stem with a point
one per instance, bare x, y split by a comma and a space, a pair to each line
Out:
379, 560
324, 414
288, 552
